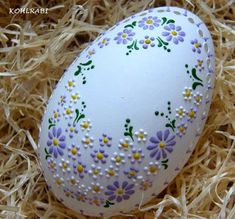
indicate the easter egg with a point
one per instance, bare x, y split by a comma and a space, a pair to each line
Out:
127, 113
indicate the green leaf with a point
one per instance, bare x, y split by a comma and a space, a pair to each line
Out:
159, 43
130, 46
135, 45
165, 166
51, 125
168, 125
49, 120
195, 84
134, 23
163, 42
173, 123
131, 134
87, 63
77, 115
164, 19
78, 71
170, 21
165, 161
194, 74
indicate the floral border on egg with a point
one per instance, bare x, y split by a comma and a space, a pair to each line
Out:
128, 132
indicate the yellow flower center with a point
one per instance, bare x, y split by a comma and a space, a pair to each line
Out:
124, 36
162, 144
85, 125
111, 172
153, 169
187, 93
118, 159
74, 151
52, 165
95, 171
58, 181
181, 129
131, 173
148, 41
125, 145
120, 191
56, 115
74, 97
174, 33
99, 156
199, 63
80, 168
55, 142
67, 194
198, 99
180, 112
146, 185
136, 156
71, 129
96, 189
73, 181
68, 111
64, 165
87, 141
191, 114
105, 140
149, 21
197, 45
104, 41
141, 135
70, 83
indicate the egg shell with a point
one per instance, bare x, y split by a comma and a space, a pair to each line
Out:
127, 113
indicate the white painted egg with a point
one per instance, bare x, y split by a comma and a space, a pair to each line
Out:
126, 115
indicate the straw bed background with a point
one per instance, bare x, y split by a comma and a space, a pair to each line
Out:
34, 52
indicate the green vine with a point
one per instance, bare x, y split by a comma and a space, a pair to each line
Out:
108, 204
132, 25
48, 155
167, 21
164, 163
132, 46
197, 81
51, 124
84, 67
162, 43
128, 129
79, 116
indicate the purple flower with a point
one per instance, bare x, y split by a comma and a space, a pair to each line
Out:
72, 129
136, 156
148, 41
104, 42
90, 53
119, 191
192, 114
199, 65
98, 201
99, 156
181, 129
196, 46
124, 37
79, 169
162, 143
145, 184
62, 100
173, 33
149, 22
131, 172
56, 115
105, 140
74, 151
56, 142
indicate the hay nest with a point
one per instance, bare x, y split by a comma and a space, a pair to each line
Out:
35, 50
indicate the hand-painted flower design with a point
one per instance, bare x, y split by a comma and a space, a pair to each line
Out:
136, 156
98, 201
95, 188
153, 168
124, 37
141, 136
197, 98
111, 171
105, 141
56, 142
68, 112
104, 42
187, 93
72, 129
86, 125
87, 141
199, 65
56, 115
131, 173
51, 165
74, 98
146, 184
67, 192
191, 114
173, 33
148, 41
119, 191
149, 22
81, 197
125, 144
180, 112
62, 100
90, 53
72, 181
59, 181
64, 166
95, 171
196, 46
80, 169
74, 151
162, 143
99, 156
118, 158
181, 129
70, 85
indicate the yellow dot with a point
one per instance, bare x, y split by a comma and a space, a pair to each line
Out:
148, 41
55, 142
136, 156
162, 144
124, 36
180, 112
70, 83
153, 169
71, 129
104, 41
64, 165
85, 125
181, 129
95, 171
198, 99
125, 145
96, 189
74, 151
52, 165
111, 172
197, 45
187, 93
141, 135
105, 140
80, 168
149, 21
131, 173
68, 111
73, 181
99, 156
87, 141
74, 97
199, 62
174, 33
120, 191
56, 115
58, 181
118, 159
191, 114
